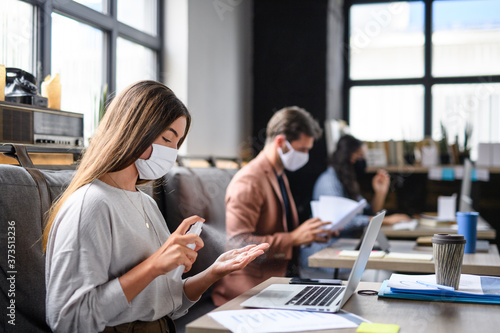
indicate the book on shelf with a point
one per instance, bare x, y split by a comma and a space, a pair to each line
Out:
382, 153
432, 219
426, 242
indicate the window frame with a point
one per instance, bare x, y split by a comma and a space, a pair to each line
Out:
106, 22
427, 81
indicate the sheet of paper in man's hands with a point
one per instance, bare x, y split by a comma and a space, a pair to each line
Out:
337, 210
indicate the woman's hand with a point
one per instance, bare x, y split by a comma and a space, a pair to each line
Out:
170, 255
227, 262
174, 252
381, 182
237, 259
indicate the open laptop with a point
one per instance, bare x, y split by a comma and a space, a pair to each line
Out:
381, 242
319, 297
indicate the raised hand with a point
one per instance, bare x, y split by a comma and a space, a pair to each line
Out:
237, 259
381, 182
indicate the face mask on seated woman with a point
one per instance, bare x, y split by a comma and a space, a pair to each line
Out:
160, 162
360, 167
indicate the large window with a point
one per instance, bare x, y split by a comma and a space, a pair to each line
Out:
17, 26
134, 62
79, 63
89, 43
411, 66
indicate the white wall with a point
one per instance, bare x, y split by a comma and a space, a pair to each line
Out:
215, 82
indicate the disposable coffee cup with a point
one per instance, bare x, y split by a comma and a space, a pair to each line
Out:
467, 226
448, 252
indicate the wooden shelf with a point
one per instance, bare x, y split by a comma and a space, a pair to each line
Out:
422, 169
42, 155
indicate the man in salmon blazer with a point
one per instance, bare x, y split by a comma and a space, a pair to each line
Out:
260, 207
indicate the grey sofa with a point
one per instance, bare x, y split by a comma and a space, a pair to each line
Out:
20, 210
182, 193
197, 191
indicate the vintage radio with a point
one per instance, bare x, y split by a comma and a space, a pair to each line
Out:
27, 124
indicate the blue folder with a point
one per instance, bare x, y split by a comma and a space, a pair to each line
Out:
437, 296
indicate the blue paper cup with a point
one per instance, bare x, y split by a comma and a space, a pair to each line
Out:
467, 226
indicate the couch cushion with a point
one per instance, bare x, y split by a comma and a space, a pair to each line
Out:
20, 219
198, 191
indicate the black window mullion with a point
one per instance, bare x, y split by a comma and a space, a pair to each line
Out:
44, 36
159, 32
138, 36
347, 63
111, 49
428, 80
467, 79
82, 13
387, 82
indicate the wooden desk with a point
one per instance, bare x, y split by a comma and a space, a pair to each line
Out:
485, 231
486, 263
411, 316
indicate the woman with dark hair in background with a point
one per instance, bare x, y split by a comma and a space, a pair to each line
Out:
346, 165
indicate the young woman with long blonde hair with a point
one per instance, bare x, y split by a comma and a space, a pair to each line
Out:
109, 254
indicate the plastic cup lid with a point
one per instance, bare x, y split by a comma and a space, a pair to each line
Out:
467, 214
448, 239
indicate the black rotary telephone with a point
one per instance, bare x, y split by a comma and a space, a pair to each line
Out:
20, 87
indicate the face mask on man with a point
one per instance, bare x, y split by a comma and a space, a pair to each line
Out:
293, 160
160, 162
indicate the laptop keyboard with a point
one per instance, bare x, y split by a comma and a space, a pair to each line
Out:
317, 295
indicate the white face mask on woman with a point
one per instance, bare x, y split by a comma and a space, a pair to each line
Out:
160, 162
293, 160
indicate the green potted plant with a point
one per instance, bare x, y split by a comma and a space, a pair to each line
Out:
100, 107
102, 103
409, 152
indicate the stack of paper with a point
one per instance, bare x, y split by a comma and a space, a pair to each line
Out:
337, 210
355, 253
472, 289
405, 225
267, 320
408, 256
433, 220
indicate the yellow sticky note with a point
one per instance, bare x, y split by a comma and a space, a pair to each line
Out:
377, 328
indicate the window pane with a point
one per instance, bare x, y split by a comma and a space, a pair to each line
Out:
97, 5
79, 62
466, 38
16, 35
387, 40
140, 14
456, 105
134, 62
387, 113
